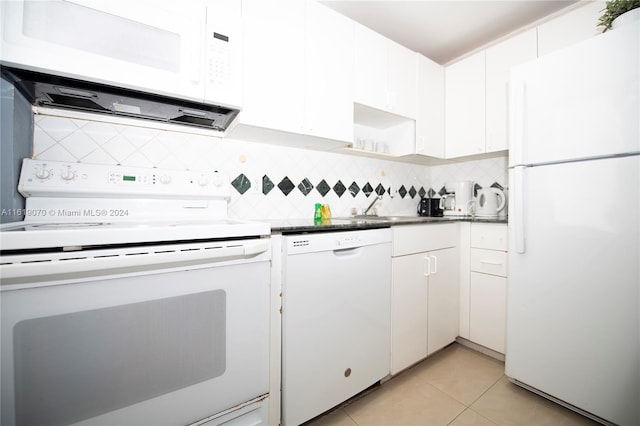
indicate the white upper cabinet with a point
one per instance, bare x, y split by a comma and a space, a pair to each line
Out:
402, 80
328, 73
476, 96
385, 73
430, 101
570, 28
370, 67
298, 69
273, 64
465, 107
499, 60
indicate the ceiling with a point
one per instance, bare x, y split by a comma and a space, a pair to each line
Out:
445, 30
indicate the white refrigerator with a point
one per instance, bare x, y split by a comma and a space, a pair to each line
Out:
573, 324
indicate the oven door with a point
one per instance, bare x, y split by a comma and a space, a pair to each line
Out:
159, 335
157, 47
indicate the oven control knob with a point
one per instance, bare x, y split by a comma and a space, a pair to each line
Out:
217, 180
165, 179
68, 174
43, 173
203, 181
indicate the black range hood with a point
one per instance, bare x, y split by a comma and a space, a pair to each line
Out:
61, 92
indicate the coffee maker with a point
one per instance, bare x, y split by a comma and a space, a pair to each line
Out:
429, 207
458, 200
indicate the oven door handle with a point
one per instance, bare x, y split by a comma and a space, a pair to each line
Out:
144, 261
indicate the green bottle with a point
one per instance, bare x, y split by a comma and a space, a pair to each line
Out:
317, 217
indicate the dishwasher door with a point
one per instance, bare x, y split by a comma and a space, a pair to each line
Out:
336, 319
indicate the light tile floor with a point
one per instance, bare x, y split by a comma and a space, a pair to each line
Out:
457, 386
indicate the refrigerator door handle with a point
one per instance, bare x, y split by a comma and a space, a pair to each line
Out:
517, 122
518, 213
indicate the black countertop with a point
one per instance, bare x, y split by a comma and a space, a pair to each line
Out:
287, 226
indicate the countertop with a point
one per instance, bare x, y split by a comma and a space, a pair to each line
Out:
287, 226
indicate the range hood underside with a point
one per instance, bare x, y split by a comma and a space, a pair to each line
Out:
60, 92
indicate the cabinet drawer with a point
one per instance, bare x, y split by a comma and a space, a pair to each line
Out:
409, 239
489, 262
489, 236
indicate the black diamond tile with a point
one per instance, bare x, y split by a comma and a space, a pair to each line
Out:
422, 192
241, 183
267, 185
339, 188
442, 191
354, 189
305, 186
402, 191
367, 189
380, 189
412, 192
431, 193
497, 185
323, 187
389, 190
286, 186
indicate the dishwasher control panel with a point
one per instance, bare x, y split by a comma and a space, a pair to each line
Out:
349, 240
330, 241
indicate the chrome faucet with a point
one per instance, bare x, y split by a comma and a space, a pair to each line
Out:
378, 198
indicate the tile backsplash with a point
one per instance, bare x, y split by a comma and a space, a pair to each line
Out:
269, 181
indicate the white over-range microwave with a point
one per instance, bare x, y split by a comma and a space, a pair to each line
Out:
188, 50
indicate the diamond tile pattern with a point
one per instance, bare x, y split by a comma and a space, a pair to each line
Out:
323, 187
354, 189
267, 185
412, 192
113, 141
241, 183
339, 188
305, 186
286, 186
367, 189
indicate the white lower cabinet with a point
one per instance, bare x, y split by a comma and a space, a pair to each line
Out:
487, 310
488, 285
442, 322
425, 292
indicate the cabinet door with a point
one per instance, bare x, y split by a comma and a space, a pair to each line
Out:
273, 64
465, 107
487, 310
430, 114
443, 299
401, 86
328, 74
408, 311
370, 68
499, 60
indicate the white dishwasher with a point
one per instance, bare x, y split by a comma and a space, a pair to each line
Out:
335, 319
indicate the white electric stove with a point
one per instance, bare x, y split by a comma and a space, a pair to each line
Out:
72, 204
127, 296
